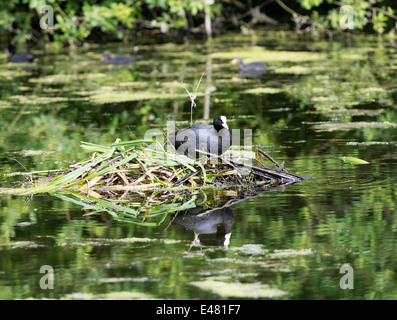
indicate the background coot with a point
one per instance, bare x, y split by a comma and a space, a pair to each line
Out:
107, 59
23, 57
254, 68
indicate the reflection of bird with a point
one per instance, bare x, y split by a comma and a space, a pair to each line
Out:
254, 68
214, 138
23, 57
218, 221
107, 58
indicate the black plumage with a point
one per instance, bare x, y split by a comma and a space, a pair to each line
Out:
23, 57
253, 68
107, 59
215, 138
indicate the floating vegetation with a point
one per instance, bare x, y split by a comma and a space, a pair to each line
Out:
27, 153
288, 253
135, 165
20, 244
97, 242
353, 125
259, 53
294, 70
239, 290
108, 94
13, 73
121, 295
135, 181
263, 91
36, 100
3, 106
67, 78
371, 143
349, 112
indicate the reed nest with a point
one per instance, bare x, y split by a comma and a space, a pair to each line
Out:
139, 165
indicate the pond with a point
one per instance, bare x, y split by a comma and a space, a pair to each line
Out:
319, 107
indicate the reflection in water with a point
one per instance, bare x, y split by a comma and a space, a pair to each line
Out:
202, 221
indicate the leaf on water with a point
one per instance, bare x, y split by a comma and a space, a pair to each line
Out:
353, 160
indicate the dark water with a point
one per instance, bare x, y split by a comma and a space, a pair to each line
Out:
317, 103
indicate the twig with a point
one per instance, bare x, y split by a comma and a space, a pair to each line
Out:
288, 9
30, 175
193, 97
171, 221
271, 172
107, 164
269, 157
185, 178
281, 167
123, 177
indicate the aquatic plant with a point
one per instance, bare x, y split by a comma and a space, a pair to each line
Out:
146, 164
140, 179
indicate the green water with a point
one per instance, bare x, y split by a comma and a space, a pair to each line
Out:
318, 102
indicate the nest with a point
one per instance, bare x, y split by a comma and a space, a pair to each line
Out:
137, 166
140, 182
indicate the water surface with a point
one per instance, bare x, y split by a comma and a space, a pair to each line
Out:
318, 102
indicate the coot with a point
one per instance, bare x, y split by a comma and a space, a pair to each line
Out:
107, 59
23, 57
206, 221
215, 138
254, 68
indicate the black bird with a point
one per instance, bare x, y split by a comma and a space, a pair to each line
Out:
206, 221
254, 68
23, 57
215, 138
107, 59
